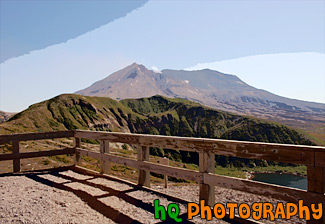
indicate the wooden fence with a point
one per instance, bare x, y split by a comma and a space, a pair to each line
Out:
311, 156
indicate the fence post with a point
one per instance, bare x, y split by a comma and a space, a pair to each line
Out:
316, 184
15, 152
77, 143
144, 175
206, 165
104, 165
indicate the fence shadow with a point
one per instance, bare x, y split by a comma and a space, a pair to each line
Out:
93, 201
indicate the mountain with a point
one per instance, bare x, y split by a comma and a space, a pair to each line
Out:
134, 81
4, 116
211, 88
154, 115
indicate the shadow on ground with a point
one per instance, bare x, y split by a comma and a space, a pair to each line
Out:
94, 201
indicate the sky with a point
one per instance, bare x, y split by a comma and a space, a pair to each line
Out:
294, 75
31, 25
274, 45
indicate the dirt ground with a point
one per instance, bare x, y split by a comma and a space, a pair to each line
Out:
70, 197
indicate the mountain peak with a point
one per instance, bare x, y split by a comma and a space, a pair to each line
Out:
209, 87
136, 66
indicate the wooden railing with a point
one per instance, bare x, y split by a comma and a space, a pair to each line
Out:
311, 156
16, 155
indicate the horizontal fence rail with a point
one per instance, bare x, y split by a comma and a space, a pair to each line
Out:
26, 155
145, 165
311, 156
36, 136
297, 154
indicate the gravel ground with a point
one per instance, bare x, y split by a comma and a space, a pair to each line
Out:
69, 197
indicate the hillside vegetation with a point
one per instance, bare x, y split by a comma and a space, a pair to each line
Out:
154, 115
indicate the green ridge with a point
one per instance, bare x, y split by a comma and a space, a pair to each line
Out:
154, 115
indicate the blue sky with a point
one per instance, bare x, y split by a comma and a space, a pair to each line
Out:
245, 38
31, 25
